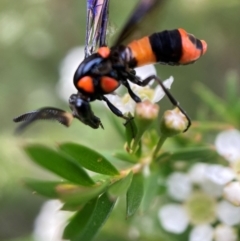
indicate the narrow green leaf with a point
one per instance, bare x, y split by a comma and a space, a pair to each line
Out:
188, 154
79, 195
58, 164
135, 194
125, 156
45, 188
89, 158
217, 105
231, 88
121, 186
87, 223
131, 131
150, 191
77, 224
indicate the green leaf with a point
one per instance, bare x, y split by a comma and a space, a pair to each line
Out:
89, 159
117, 124
150, 191
135, 194
121, 186
74, 195
45, 188
231, 88
88, 221
216, 104
58, 164
131, 131
188, 154
80, 220
125, 156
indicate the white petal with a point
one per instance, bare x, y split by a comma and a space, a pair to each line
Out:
201, 233
219, 174
179, 186
232, 193
228, 144
125, 105
236, 168
159, 93
197, 173
68, 66
212, 188
145, 71
173, 218
225, 233
50, 223
228, 214
168, 82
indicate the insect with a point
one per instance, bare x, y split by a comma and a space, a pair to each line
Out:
104, 69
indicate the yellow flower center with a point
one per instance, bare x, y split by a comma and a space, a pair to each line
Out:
201, 208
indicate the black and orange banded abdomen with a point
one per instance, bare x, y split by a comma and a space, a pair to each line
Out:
142, 52
172, 47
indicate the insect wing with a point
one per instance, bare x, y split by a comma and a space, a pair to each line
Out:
46, 113
138, 23
97, 21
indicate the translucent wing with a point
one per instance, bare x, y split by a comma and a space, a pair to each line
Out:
141, 20
97, 21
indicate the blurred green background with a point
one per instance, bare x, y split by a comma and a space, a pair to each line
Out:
35, 36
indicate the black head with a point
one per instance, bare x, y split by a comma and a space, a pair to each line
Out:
81, 110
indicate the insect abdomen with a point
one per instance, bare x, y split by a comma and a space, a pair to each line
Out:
172, 47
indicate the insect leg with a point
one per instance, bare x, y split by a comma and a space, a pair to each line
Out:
114, 109
166, 91
131, 93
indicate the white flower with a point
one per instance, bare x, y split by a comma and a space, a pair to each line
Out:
231, 192
127, 105
228, 144
50, 222
199, 207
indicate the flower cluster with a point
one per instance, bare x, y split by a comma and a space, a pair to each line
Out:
200, 194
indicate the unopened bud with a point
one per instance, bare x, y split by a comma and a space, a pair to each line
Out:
173, 122
145, 113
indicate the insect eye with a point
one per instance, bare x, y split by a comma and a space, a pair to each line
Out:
72, 98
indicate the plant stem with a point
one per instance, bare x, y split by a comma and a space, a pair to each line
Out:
162, 139
136, 141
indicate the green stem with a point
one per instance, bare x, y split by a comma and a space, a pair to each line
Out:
162, 139
136, 141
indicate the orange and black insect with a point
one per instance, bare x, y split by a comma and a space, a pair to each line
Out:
104, 69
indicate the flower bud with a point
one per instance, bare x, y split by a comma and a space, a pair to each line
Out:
145, 113
173, 122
